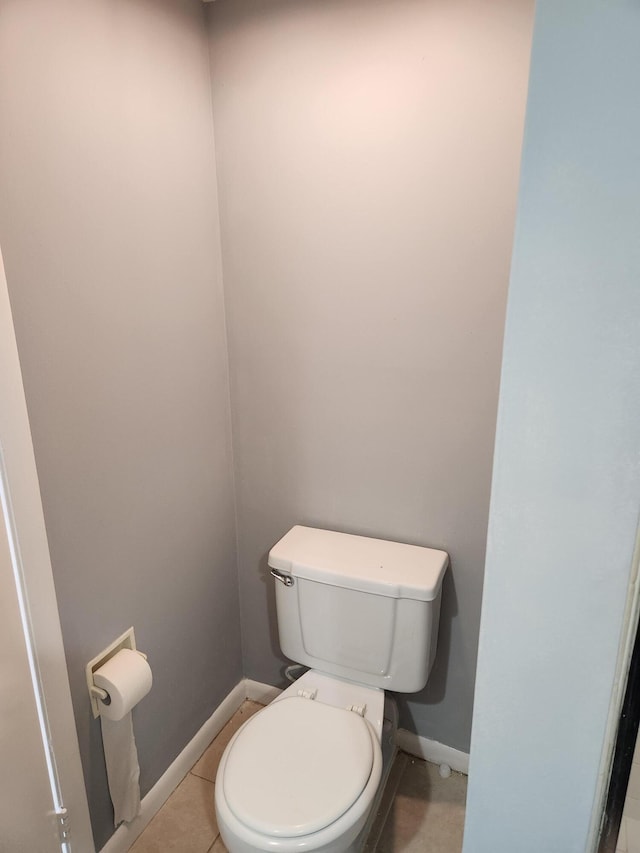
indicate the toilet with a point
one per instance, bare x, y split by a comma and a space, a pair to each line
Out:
307, 772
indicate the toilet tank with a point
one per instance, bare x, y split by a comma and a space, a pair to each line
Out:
363, 609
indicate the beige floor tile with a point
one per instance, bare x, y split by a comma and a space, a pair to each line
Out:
185, 824
428, 812
631, 807
621, 843
633, 788
207, 766
633, 835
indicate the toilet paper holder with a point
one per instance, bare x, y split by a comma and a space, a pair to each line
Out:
96, 694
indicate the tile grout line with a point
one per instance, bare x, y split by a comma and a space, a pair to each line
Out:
214, 843
198, 776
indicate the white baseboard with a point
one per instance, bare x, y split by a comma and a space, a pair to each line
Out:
126, 834
256, 691
431, 750
421, 747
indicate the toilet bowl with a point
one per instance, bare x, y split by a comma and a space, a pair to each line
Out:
304, 773
307, 772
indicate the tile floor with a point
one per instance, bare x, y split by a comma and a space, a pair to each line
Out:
420, 811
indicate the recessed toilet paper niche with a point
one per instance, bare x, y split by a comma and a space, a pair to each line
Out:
117, 679
124, 641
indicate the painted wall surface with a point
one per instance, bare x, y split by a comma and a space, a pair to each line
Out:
566, 487
367, 157
108, 224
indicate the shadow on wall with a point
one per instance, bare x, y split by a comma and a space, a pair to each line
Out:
435, 690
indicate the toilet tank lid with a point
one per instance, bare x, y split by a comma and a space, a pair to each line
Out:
358, 562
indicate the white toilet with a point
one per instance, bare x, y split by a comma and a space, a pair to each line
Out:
306, 773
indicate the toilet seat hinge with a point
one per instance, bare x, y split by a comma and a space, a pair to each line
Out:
308, 693
361, 710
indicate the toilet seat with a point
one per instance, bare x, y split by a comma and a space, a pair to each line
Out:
297, 767
338, 695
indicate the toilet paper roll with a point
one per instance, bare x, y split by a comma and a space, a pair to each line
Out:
127, 679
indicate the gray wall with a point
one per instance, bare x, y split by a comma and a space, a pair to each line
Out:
367, 157
108, 224
566, 488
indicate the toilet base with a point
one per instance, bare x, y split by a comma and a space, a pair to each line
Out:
389, 752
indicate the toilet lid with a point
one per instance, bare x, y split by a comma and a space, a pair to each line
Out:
297, 766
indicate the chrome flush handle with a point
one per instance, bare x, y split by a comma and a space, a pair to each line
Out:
287, 580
